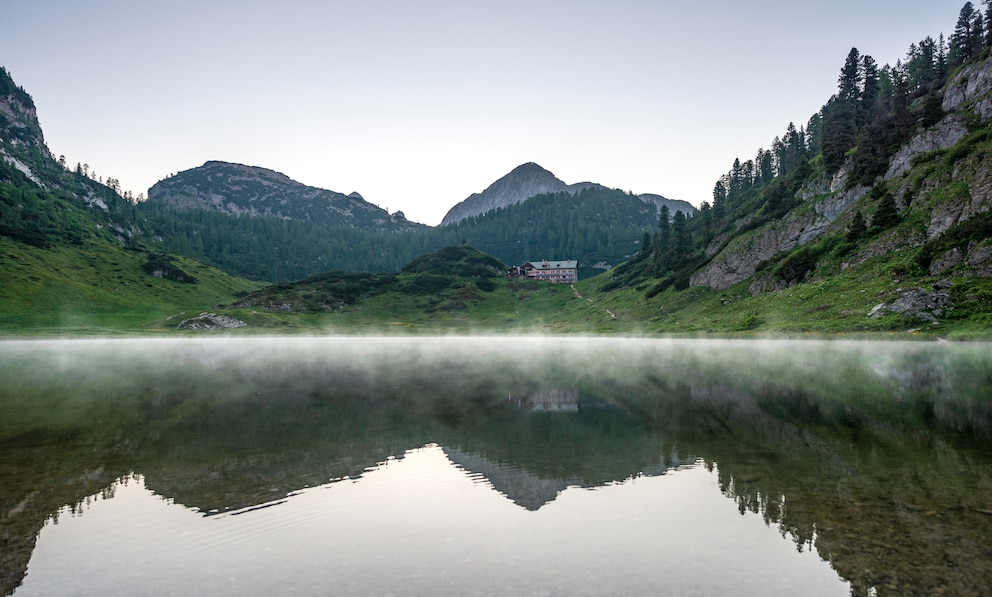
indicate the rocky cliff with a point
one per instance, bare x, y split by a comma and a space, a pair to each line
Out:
935, 178
238, 189
18, 117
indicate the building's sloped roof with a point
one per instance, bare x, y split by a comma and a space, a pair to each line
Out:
554, 264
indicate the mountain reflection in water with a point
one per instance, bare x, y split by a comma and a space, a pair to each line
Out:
875, 455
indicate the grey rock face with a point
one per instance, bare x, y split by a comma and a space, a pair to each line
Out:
210, 321
927, 306
972, 84
22, 126
944, 134
741, 258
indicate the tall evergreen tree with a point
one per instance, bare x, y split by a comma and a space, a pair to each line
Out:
681, 241
941, 62
977, 38
869, 93
719, 200
962, 40
850, 79
839, 132
988, 24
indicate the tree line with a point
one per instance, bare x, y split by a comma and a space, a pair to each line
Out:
596, 226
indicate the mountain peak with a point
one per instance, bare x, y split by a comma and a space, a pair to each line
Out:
18, 116
251, 190
528, 180
522, 183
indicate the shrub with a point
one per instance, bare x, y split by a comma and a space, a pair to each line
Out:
796, 266
485, 284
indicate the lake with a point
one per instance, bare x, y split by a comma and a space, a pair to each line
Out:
494, 466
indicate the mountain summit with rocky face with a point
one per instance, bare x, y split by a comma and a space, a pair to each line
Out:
529, 180
237, 189
522, 183
18, 115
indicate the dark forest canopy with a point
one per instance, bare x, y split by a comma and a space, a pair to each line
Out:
595, 226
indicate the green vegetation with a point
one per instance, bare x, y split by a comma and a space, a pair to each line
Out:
100, 289
595, 226
80, 257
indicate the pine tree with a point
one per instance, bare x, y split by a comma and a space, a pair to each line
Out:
646, 243
869, 94
719, 200
886, 214
857, 228
988, 24
850, 79
963, 42
839, 133
941, 63
977, 38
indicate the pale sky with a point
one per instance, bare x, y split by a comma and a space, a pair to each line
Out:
417, 105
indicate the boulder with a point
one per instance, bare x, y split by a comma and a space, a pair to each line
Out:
210, 321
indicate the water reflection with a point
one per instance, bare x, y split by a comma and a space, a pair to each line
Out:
875, 455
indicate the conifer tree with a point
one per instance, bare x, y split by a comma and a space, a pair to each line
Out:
963, 42
857, 228
681, 240
850, 78
719, 200
886, 214
869, 93
988, 24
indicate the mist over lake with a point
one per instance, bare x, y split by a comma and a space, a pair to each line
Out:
494, 465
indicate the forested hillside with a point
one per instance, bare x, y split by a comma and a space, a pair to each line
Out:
599, 227
895, 162
42, 202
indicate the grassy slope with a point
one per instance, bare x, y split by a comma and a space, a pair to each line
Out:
97, 290
837, 304
104, 290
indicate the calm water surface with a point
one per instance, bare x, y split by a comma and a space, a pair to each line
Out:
485, 466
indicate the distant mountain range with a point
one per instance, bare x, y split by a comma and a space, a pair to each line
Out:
238, 189
529, 180
295, 230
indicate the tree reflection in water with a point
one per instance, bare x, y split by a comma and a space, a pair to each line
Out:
876, 455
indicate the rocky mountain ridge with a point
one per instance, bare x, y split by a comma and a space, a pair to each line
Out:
238, 189
529, 180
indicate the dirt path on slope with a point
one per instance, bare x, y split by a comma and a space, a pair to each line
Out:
576, 291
